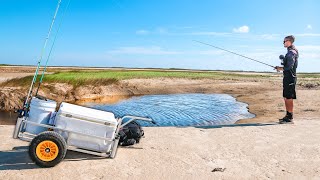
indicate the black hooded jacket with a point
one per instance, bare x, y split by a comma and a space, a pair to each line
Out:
290, 62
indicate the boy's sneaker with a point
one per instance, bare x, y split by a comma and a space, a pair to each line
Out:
286, 120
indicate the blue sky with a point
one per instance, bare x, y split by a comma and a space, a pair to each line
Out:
145, 33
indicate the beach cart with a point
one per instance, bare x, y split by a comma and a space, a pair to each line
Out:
52, 131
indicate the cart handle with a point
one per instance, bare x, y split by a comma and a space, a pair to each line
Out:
133, 118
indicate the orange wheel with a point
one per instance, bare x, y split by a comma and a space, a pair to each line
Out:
47, 150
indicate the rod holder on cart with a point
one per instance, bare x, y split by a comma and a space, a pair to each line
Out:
17, 128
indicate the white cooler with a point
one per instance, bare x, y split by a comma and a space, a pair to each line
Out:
88, 121
40, 111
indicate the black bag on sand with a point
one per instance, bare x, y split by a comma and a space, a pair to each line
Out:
130, 134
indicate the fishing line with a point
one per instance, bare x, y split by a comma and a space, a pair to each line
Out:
234, 53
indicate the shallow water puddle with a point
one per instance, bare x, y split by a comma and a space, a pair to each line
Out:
181, 109
8, 118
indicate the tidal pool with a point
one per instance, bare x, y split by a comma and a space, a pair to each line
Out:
181, 109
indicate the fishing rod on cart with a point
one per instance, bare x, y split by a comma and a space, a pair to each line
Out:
52, 46
26, 104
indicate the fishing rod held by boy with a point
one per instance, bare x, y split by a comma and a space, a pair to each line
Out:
274, 67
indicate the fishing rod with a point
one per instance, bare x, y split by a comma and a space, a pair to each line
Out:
235, 53
52, 46
26, 103
53, 43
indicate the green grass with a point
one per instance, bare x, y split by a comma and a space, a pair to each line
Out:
309, 75
75, 81
105, 77
85, 76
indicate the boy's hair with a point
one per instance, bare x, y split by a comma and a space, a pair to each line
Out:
290, 38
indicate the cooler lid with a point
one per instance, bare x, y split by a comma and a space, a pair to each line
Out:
43, 103
88, 113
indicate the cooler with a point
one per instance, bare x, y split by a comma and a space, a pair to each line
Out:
87, 121
40, 111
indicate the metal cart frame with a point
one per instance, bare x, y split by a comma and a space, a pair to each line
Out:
25, 136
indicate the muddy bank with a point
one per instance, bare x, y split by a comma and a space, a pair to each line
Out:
264, 96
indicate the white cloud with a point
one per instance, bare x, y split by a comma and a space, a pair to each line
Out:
161, 30
208, 33
152, 50
309, 48
207, 52
156, 50
309, 51
270, 36
309, 26
185, 27
242, 29
142, 32
308, 35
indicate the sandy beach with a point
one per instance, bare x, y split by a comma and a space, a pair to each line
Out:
265, 151
257, 148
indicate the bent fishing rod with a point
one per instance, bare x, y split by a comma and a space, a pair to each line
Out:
235, 53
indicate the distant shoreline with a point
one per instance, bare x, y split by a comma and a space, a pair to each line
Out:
146, 68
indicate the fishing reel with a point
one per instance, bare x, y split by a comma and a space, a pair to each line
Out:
281, 57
